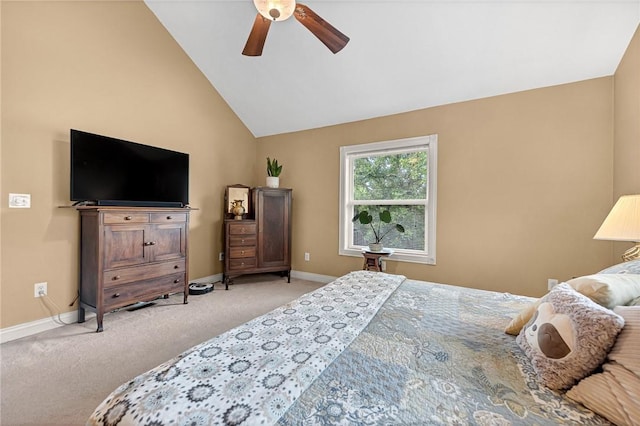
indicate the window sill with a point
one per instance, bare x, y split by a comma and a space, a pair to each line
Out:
398, 255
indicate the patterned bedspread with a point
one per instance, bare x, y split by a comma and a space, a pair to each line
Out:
368, 349
436, 354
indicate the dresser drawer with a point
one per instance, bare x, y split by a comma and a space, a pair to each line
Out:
243, 240
168, 217
124, 217
243, 263
242, 252
140, 291
242, 229
117, 277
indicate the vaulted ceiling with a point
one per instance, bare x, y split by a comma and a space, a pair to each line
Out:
403, 55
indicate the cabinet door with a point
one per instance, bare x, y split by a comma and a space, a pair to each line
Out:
169, 241
125, 245
274, 232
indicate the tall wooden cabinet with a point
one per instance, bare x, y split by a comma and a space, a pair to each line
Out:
261, 243
129, 255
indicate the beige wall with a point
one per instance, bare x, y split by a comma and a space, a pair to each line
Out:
626, 176
108, 68
524, 181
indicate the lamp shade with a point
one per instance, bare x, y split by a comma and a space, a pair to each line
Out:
623, 221
275, 10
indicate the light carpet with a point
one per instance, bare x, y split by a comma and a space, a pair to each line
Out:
58, 377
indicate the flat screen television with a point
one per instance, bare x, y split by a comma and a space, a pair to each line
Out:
113, 172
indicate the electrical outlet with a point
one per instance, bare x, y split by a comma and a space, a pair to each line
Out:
307, 257
20, 201
383, 265
551, 282
221, 256
39, 289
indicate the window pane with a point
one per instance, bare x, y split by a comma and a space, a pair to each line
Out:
410, 217
391, 177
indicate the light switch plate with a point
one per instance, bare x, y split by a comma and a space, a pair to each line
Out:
20, 201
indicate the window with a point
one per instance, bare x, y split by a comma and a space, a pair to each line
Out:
399, 176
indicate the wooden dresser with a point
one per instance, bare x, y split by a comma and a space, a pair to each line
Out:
263, 242
129, 255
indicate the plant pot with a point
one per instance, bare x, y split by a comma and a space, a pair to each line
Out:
273, 181
375, 247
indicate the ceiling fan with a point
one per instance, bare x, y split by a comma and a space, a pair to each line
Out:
279, 10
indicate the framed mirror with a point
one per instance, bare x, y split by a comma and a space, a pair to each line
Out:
234, 196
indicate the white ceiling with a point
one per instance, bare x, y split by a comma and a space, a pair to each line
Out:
403, 55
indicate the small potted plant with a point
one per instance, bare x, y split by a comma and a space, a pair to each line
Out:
379, 232
273, 173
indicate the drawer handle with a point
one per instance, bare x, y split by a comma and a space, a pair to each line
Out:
242, 240
128, 218
176, 267
116, 295
241, 251
150, 243
176, 281
169, 217
117, 277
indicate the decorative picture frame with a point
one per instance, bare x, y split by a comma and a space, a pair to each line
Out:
234, 193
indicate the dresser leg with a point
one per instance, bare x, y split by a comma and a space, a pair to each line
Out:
80, 314
99, 317
289, 276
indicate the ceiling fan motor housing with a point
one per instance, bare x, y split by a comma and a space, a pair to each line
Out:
275, 10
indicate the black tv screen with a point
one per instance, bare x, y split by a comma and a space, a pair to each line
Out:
109, 171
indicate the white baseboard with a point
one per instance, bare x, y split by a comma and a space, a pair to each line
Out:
207, 280
312, 277
29, 328
295, 274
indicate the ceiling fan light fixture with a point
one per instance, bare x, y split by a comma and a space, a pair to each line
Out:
275, 10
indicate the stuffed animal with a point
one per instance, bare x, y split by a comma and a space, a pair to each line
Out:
550, 333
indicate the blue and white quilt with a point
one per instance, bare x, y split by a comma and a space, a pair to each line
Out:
367, 349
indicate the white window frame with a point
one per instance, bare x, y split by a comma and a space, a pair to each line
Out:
351, 152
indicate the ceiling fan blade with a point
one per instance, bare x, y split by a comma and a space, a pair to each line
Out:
257, 37
326, 33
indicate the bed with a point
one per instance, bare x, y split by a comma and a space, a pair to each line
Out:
369, 348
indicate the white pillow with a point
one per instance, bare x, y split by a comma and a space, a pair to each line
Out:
608, 290
628, 267
634, 302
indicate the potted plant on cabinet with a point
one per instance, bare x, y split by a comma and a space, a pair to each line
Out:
379, 232
273, 173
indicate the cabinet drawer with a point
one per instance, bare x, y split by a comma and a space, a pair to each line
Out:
245, 263
242, 228
243, 240
124, 217
117, 277
168, 217
141, 291
241, 252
